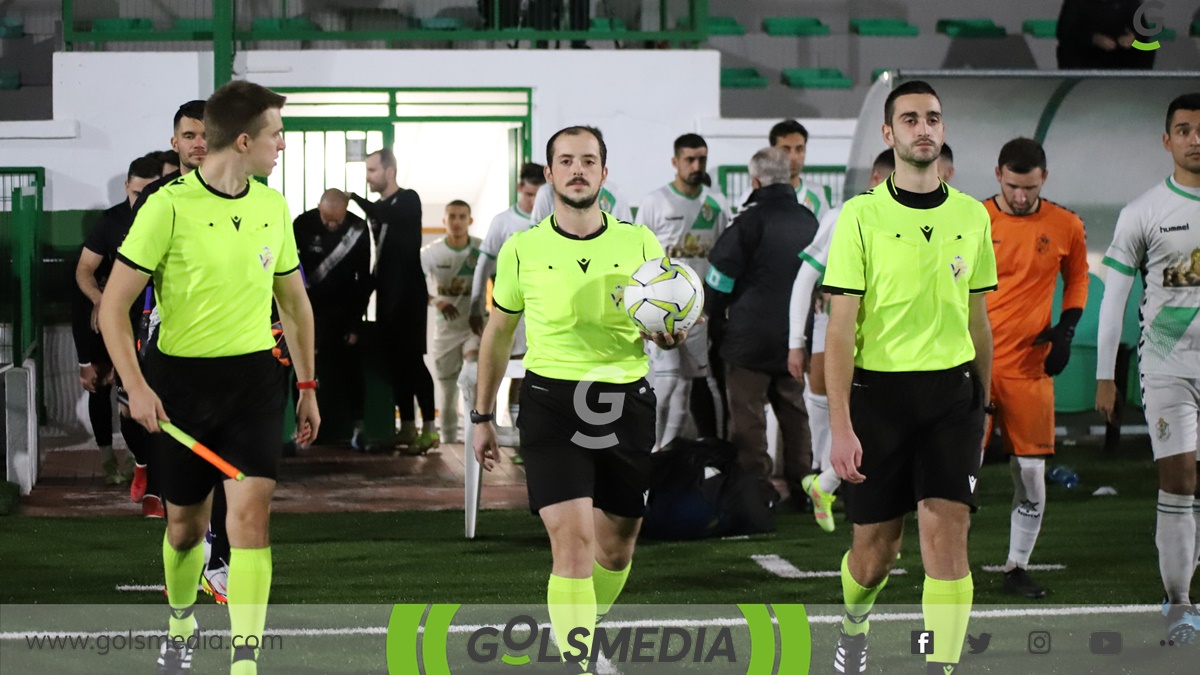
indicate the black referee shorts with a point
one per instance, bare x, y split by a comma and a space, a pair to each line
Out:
603, 454
921, 434
232, 404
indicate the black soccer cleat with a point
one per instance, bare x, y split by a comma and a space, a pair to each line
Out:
851, 655
1017, 582
174, 659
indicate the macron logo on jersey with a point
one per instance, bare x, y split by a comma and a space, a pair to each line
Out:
972, 480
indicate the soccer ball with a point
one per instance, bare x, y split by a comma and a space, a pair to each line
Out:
664, 296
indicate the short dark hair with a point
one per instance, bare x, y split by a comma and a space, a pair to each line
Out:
1022, 155
167, 157
689, 142
786, 128
946, 152
191, 110
235, 109
533, 173
146, 166
1182, 102
459, 202
885, 160
387, 158
576, 131
910, 87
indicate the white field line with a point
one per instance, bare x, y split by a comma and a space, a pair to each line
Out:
1031, 568
782, 568
1015, 612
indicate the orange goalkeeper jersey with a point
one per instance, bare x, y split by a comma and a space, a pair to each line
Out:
1031, 251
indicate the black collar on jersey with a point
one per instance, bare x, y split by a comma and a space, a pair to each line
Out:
217, 192
996, 201
919, 200
568, 235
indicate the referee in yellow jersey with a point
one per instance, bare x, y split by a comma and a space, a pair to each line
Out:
218, 246
908, 357
587, 412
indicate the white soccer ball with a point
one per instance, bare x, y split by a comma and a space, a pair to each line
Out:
664, 296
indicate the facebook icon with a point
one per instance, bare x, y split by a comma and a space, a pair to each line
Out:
922, 642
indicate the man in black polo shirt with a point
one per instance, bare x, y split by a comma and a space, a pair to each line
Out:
401, 298
335, 254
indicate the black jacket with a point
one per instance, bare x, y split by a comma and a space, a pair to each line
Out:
339, 294
399, 281
1080, 21
754, 264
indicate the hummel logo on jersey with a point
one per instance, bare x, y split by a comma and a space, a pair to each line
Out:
927, 230
972, 480
583, 264
444, 267
1177, 228
237, 222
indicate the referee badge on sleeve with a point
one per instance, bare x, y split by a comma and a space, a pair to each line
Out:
266, 258
957, 267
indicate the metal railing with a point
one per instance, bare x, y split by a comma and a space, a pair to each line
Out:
21, 223
394, 22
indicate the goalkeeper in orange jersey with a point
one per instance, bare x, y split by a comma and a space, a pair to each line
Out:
1035, 241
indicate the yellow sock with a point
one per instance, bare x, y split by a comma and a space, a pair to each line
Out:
858, 600
182, 573
572, 604
249, 591
608, 584
947, 608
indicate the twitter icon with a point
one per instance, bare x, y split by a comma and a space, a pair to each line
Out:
979, 644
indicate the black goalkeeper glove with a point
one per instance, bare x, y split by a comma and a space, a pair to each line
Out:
1059, 337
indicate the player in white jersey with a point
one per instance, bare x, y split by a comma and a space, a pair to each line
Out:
449, 266
792, 137
517, 218
820, 486
687, 218
1158, 235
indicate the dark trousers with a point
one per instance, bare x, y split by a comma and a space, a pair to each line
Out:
402, 338
341, 365
748, 392
100, 414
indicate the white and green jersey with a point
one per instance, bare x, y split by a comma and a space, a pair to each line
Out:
687, 227
611, 201
448, 276
1158, 234
811, 197
503, 226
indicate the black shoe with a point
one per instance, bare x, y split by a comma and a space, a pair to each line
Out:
174, 660
1017, 582
851, 655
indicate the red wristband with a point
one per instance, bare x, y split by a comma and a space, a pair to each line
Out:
310, 384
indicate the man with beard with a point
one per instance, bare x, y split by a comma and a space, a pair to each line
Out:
908, 333
400, 298
586, 364
791, 137
688, 219
1035, 240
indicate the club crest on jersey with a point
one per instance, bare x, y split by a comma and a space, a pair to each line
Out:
607, 202
1043, 244
706, 212
1162, 429
618, 295
957, 267
266, 258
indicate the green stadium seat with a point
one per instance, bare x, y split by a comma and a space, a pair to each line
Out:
816, 78
1167, 35
794, 26
742, 78
970, 28
12, 27
122, 25
606, 24
442, 23
722, 25
883, 28
272, 24
9, 79
1040, 28
1195, 28
193, 25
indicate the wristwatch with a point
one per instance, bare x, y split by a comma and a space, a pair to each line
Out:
481, 418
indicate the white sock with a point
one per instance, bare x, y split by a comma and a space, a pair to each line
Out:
672, 394
1029, 505
829, 481
1196, 517
448, 407
1176, 540
514, 409
818, 422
